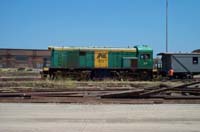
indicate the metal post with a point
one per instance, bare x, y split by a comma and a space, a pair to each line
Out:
166, 25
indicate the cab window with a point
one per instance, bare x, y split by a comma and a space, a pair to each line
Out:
144, 56
82, 53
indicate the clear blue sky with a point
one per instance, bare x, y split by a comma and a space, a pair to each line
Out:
113, 23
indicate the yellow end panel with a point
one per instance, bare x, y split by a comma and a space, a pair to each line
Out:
101, 59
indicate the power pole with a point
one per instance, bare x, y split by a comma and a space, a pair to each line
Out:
166, 25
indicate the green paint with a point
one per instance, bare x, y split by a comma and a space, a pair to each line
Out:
145, 57
116, 59
87, 59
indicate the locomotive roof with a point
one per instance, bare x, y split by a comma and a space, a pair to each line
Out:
92, 48
144, 48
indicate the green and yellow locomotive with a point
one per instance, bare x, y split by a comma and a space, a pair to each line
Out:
85, 63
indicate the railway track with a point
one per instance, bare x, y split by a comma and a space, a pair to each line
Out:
186, 93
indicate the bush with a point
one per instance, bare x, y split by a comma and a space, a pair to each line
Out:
21, 69
29, 69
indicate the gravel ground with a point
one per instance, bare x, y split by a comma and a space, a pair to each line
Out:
17, 117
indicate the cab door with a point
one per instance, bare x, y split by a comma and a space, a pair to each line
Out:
145, 61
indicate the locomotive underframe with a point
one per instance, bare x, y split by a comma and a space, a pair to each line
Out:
99, 73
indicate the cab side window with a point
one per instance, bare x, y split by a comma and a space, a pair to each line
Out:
82, 53
145, 56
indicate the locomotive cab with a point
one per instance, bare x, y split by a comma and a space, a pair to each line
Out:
145, 61
145, 57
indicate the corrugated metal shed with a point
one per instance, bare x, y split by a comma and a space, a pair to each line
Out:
196, 51
24, 58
